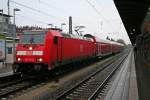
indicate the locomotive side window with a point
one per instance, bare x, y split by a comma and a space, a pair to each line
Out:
55, 40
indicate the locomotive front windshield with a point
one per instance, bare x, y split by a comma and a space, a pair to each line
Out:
32, 38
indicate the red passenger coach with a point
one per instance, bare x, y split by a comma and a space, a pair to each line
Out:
46, 49
105, 47
116, 47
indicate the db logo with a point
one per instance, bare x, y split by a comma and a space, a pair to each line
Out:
1, 53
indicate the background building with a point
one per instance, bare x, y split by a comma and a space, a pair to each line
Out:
7, 44
6, 27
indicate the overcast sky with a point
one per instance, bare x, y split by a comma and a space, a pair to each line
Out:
100, 17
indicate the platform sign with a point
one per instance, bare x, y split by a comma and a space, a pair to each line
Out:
2, 47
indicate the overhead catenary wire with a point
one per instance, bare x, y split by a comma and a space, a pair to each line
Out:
100, 14
60, 10
36, 10
52, 6
41, 12
33, 20
96, 10
55, 17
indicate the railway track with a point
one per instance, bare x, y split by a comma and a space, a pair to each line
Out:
4, 92
14, 84
9, 80
90, 87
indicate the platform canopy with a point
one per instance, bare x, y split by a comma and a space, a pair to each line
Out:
132, 13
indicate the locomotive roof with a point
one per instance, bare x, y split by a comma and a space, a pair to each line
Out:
55, 32
75, 36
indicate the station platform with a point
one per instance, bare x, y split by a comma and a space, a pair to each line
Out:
5, 69
124, 86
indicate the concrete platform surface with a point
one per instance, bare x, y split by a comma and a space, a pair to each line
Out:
124, 86
5, 69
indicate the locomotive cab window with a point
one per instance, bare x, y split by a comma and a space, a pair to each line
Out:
35, 37
55, 40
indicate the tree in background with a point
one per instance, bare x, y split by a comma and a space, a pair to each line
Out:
20, 29
112, 39
121, 41
107, 38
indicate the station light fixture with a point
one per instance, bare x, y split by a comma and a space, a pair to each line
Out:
15, 10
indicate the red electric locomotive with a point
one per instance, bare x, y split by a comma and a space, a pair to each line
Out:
46, 49
43, 50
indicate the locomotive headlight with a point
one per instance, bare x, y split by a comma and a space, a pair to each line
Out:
18, 59
40, 59
30, 48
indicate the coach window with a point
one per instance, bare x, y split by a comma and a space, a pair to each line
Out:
55, 40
